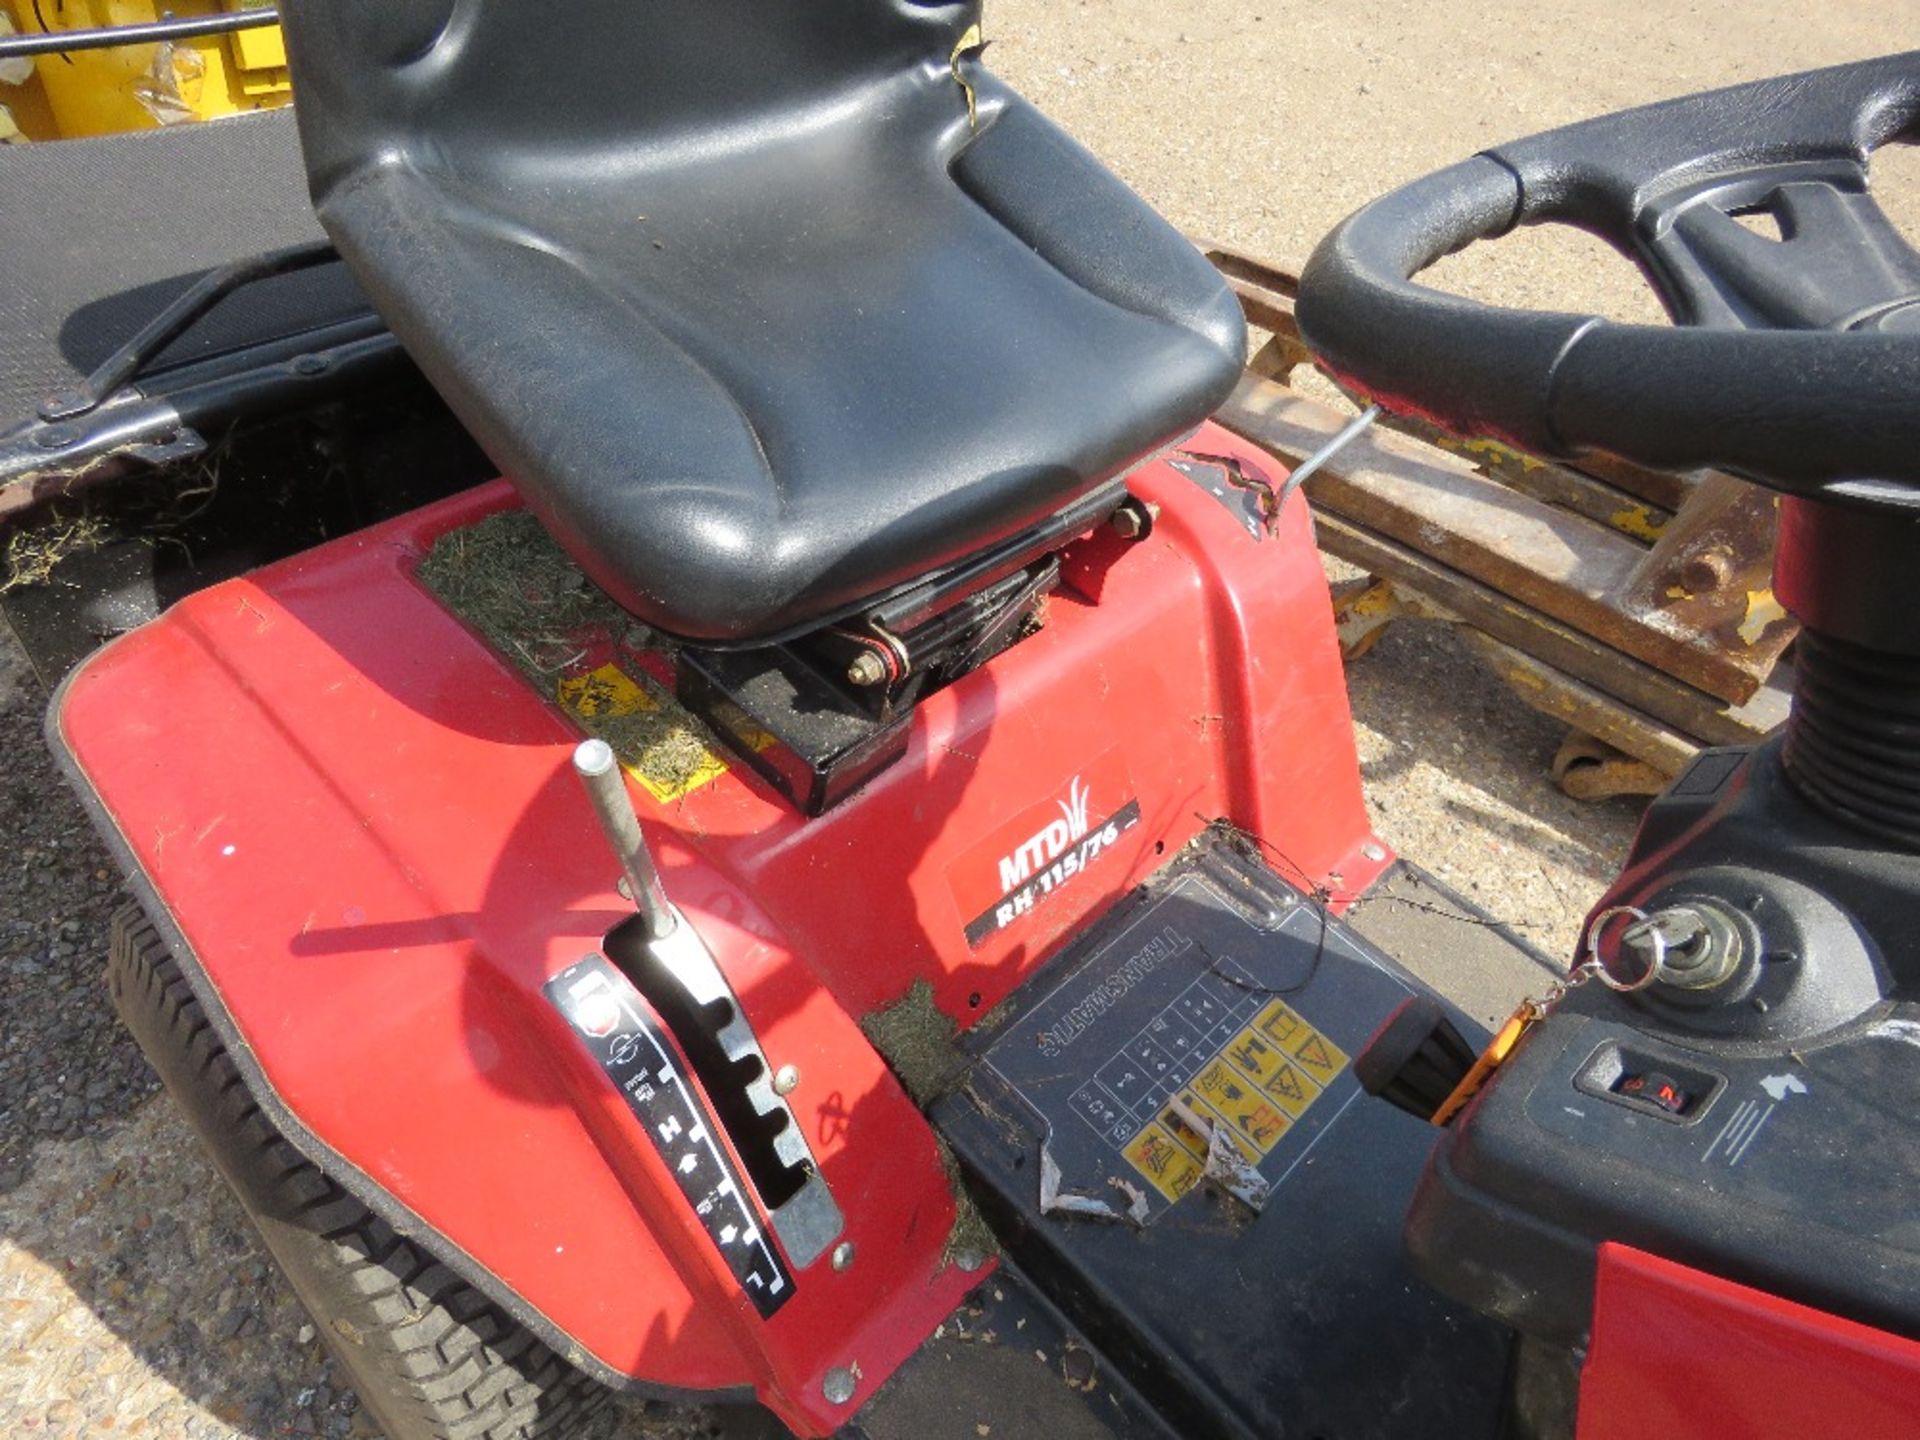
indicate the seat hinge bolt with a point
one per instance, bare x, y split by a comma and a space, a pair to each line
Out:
867, 670
1134, 519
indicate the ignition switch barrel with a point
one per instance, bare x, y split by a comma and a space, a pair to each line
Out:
1686, 946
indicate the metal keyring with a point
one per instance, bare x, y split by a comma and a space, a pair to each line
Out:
1600, 970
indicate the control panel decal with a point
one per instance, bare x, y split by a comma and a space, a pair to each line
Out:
606, 1013
1177, 1027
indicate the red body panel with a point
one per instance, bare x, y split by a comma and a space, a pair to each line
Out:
364, 825
1687, 1356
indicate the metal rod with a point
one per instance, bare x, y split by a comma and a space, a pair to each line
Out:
184, 27
177, 318
599, 770
41, 462
1349, 433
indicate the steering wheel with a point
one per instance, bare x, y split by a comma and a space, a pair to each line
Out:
1795, 362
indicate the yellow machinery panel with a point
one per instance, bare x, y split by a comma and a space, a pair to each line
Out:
138, 87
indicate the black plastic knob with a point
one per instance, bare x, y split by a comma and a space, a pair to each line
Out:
1416, 1059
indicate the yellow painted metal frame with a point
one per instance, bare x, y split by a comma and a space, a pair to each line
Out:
141, 87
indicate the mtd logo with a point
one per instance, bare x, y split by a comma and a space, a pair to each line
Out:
1042, 849
1045, 846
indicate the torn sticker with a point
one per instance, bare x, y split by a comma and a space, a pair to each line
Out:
1228, 1168
1228, 1161
1137, 1208
1246, 492
1054, 1200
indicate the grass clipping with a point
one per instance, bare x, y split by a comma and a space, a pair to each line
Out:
507, 578
32, 555
917, 1041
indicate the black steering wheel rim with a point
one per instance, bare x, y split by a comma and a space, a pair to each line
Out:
1795, 362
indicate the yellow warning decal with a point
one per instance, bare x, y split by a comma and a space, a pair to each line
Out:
1281, 1024
1252, 1091
1254, 1056
1163, 1162
668, 761
1320, 1057
1236, 1098
1286, 1058
1175, 1117
1290, 1089
1316, 1054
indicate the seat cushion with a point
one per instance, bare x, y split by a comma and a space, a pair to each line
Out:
757, 360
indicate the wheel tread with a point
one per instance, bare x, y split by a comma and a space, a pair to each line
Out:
432, 1357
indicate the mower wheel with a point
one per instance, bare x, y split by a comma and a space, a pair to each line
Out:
431, 1357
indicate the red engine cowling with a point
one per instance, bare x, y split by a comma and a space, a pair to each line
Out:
359, 823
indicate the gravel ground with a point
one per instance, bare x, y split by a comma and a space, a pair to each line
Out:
133, 1297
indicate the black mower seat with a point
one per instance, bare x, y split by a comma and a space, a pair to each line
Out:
759, 323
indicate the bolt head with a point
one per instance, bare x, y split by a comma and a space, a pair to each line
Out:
839, 1385
1707, 571
969, 1260
1129, 523
843, 1255
786, 1080
1374, 852
867, 669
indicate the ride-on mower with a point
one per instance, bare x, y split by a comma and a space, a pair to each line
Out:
843, 880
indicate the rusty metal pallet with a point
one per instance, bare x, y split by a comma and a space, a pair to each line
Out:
1635, 605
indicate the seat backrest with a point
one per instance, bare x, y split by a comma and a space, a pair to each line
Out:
762, 313
535, 76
